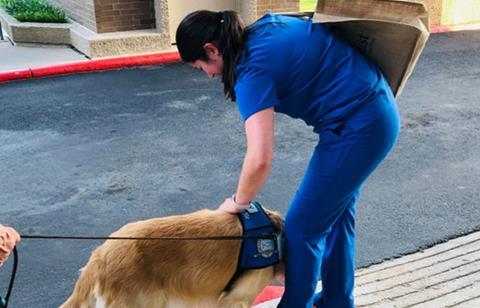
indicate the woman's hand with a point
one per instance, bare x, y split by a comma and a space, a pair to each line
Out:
228, 206
8, 239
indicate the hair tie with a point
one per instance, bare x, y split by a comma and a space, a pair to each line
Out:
221, 17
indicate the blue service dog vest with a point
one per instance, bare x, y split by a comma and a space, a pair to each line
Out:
258, 252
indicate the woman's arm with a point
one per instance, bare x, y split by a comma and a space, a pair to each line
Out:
258, 160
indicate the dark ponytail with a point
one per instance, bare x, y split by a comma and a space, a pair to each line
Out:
225, 29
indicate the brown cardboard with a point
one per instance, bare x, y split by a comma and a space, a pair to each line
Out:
392, 33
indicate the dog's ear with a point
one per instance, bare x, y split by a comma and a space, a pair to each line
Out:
276, 219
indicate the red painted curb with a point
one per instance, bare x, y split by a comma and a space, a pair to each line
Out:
269, 293
455, 27
91, 66
440, 29
15, 75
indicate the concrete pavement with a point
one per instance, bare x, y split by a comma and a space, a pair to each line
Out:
444, 276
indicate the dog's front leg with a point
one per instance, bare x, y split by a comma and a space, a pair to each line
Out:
246, 288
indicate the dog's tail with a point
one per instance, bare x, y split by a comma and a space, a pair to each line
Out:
83, 295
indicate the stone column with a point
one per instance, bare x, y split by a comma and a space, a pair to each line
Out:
162, 21
251, 10
248, 10
434, 8
276, 6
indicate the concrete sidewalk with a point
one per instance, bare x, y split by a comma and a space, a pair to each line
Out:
444, 276
26, 61
22, 56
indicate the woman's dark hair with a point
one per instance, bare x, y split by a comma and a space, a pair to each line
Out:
224, 29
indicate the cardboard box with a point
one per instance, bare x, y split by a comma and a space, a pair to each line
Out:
392, 33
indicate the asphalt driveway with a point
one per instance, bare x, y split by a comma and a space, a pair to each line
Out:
85, 154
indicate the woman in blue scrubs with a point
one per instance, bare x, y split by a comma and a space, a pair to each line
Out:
292, 66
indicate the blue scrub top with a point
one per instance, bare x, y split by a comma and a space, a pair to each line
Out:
301, 69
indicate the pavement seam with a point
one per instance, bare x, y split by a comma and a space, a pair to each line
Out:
416, 269
444, 294
464, 301
427, 287
418, 279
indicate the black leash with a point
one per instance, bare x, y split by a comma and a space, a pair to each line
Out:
166, 238
4, 301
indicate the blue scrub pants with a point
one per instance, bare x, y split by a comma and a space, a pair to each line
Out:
320, 222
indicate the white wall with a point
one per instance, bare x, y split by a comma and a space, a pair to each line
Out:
177, 9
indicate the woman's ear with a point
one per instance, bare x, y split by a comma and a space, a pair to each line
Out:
212, 50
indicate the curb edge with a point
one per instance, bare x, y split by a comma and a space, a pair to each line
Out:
90, 66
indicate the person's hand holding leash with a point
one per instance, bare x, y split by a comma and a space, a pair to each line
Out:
8, 239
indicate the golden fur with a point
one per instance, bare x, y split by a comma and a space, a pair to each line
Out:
172, 273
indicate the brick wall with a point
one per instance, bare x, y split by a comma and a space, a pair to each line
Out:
264, 6
81, 11
124, 15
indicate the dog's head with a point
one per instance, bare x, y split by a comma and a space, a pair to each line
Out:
276, 219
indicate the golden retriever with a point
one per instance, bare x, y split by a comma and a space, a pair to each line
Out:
172, 273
